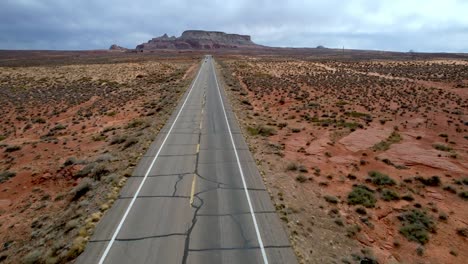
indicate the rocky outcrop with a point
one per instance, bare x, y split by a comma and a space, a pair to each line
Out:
199, 39
117, 48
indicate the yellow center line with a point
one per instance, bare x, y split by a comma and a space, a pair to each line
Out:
192, 193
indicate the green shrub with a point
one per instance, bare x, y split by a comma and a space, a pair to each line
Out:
118, 140
81, 189
361, 210
261, 130
130, 142
385, 144
464, 195
135, 123
450, 188
2, 137
331, 199
352, 231
462, 232
407, 197
389, 195
381, 179
442, 147
361, 195
86, 170
6, 175
357, 114
292, 167
12, 148
432, 181
416, 226
301, 178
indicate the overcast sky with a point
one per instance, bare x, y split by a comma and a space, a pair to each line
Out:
401, 25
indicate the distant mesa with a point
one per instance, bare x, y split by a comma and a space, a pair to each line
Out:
200, 40
117, 48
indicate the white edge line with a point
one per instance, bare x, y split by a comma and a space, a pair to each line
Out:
116, 232
259, 237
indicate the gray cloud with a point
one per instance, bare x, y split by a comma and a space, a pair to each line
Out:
428, 25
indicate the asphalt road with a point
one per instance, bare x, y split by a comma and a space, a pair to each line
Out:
196, 196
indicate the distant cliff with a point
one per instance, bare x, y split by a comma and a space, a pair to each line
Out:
115, 47
199, 39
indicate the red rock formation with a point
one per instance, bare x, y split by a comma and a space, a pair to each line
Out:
199, 39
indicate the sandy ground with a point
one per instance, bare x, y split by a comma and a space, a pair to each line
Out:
70, 134
319, 128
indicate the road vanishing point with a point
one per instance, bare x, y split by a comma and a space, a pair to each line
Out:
196, 196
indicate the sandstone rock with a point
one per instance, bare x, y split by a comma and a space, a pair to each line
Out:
117, 48
199, 39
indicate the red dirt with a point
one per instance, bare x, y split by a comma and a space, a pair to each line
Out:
333, 118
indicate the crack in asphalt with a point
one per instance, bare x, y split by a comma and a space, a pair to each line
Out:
175, 185
231, 188
239, 213
197, 208
140, 238
238, 248
164, 175
154, 196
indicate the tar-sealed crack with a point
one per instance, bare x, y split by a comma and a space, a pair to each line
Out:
197, 208
181, 177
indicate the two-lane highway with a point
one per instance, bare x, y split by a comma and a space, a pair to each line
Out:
196, 196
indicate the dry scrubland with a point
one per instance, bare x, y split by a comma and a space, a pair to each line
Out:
70, 135
363, 159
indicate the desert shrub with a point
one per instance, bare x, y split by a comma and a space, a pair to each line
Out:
295, 130
70, 161
12, 148
118, 140
361, 210
86, 170
135, 123
464, 195
99, 171
246, 102
450, 188
442, 147
379, 178
462, 232
130, 142
465, 181
2, 137
301, 178
6, 175
261, 130
407, 197
361, 195
357, 114
292, 167
302, 168
351, 231
331, 199
32, 257
58, 127
432, 181
385, 144
416, 226
389, 195
81, 189
39, 120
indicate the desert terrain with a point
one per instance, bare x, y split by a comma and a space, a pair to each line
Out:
73, 126
364, 153
365, 159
